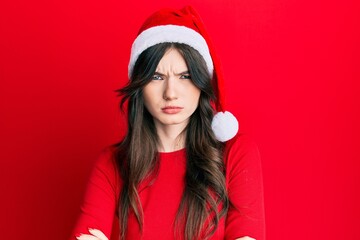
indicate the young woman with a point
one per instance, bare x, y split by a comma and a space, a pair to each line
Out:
180, 172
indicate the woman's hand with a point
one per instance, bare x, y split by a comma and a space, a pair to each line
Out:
94, 235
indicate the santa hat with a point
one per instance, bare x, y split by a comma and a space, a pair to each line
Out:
185, 26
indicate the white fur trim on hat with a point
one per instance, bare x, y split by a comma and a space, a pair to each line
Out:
224, 125
170, 33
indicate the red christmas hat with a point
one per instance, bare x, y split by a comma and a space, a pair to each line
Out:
185, 26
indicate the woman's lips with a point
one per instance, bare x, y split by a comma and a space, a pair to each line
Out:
171, 109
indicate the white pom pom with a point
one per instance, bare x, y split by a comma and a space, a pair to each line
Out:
225, 126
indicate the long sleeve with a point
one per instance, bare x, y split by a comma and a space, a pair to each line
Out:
99, 204
245, 187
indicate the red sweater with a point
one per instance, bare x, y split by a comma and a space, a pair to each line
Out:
160, 201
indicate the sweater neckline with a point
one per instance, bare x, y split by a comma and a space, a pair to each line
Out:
173, 153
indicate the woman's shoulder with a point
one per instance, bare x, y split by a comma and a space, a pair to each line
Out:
105, 165
241, 141
241, 148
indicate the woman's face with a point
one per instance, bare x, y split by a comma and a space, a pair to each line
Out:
170, 96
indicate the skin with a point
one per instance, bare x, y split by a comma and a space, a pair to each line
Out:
171, 98
171, 85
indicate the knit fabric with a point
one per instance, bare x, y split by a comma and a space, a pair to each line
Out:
160, 199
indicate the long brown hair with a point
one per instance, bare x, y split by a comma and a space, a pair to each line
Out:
204, 199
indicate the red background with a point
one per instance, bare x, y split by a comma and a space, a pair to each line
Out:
292, 75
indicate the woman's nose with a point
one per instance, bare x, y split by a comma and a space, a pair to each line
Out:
170, 90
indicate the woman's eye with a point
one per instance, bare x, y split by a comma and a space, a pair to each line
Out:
156, 77
185, 77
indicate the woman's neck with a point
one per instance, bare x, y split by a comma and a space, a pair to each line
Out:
171, 138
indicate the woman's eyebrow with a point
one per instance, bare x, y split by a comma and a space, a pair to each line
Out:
158, 73
177, 74
183, 73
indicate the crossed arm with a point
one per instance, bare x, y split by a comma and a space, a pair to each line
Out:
245, 191
99, 235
